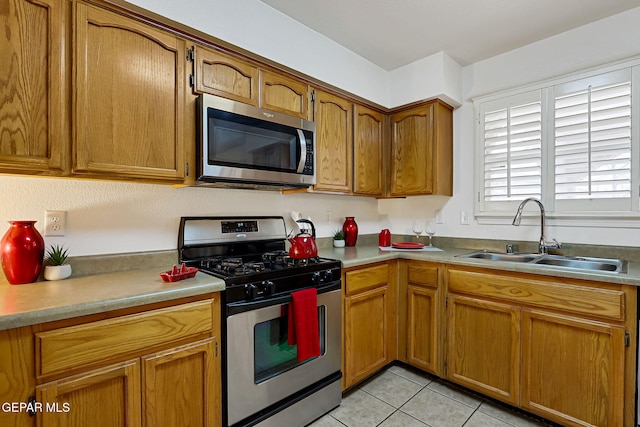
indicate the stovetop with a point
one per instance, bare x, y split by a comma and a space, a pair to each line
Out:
247, 268
249, 254
224, 266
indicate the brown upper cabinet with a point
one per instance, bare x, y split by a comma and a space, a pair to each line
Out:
368, 137
223, 75
33, 138
349, 141
422, 150
109, 97
129, 95
334, 142
284, 94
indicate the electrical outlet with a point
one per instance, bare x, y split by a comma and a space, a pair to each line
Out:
464, 218
55, 223
438, 217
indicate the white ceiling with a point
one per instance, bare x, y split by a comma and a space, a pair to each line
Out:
393, 33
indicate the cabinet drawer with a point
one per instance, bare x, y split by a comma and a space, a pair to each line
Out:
423, 275
366, 278
73, 346
569, 295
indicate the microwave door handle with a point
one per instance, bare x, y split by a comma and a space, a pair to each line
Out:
303, 150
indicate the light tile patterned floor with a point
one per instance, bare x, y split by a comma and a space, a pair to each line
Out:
399, 397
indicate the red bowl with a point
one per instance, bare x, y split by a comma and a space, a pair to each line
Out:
178, 273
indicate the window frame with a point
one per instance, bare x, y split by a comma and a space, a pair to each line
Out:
497, 212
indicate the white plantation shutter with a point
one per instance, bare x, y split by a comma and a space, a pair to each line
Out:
572, 142
512, 148
592, 143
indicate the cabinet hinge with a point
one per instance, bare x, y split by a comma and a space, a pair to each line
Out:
313, 97
192, 81
446, 369
627, 339
216, 349
446, 302
190, 55
187, 169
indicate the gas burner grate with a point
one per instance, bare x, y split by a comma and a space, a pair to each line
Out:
276, 257
301, 262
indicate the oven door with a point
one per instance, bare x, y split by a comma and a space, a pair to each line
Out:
262, 369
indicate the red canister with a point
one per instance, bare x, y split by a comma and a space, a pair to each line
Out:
384, 238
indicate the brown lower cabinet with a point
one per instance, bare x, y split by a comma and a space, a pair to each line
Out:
151, 366
484, 346
175, 387
369, 321
418, 321
560, 348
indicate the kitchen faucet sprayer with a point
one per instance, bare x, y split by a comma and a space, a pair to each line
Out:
543, 246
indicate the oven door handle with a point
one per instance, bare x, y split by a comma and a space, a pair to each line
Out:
241, 307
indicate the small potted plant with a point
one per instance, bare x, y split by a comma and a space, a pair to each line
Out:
338, 239
56, 257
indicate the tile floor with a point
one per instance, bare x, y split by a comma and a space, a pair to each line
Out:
399, 397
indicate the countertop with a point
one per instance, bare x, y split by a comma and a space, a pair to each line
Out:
39, 302
360, 255
24, 305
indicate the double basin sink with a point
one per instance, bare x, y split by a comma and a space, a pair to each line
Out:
573, 262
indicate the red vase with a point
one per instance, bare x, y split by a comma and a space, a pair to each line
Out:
350, 230
22, 250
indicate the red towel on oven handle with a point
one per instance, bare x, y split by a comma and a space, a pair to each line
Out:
303, 328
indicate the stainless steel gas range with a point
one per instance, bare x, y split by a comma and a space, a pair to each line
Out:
264, 382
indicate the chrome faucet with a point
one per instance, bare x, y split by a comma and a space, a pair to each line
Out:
543, 246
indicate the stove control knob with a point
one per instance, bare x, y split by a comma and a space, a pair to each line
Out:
251, 290
315, 278
269, 287
327, 276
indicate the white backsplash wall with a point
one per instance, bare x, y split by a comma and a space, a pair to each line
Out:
117, 217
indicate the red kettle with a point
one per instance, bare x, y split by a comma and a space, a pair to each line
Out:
304, 244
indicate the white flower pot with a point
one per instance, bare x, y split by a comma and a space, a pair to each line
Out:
57, 272
338, 243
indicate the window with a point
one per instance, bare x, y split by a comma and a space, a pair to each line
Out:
572, 143
512, 136
592, 142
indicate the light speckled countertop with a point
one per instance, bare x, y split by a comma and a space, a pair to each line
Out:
360, 255
23, 305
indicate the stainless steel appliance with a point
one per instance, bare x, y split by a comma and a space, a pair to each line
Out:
245, 146
263, 382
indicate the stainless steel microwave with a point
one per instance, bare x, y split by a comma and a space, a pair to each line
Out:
249, 147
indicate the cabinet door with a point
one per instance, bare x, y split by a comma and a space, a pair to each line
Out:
180, 386
129, 97
484, 346
367, 151
573, 370
412, 151
368, 331
421, 327
284, 94
32, 112
104, 397
223, 75
333, 143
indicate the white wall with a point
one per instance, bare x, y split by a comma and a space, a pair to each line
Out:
258, 28
605, 41
113, 217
